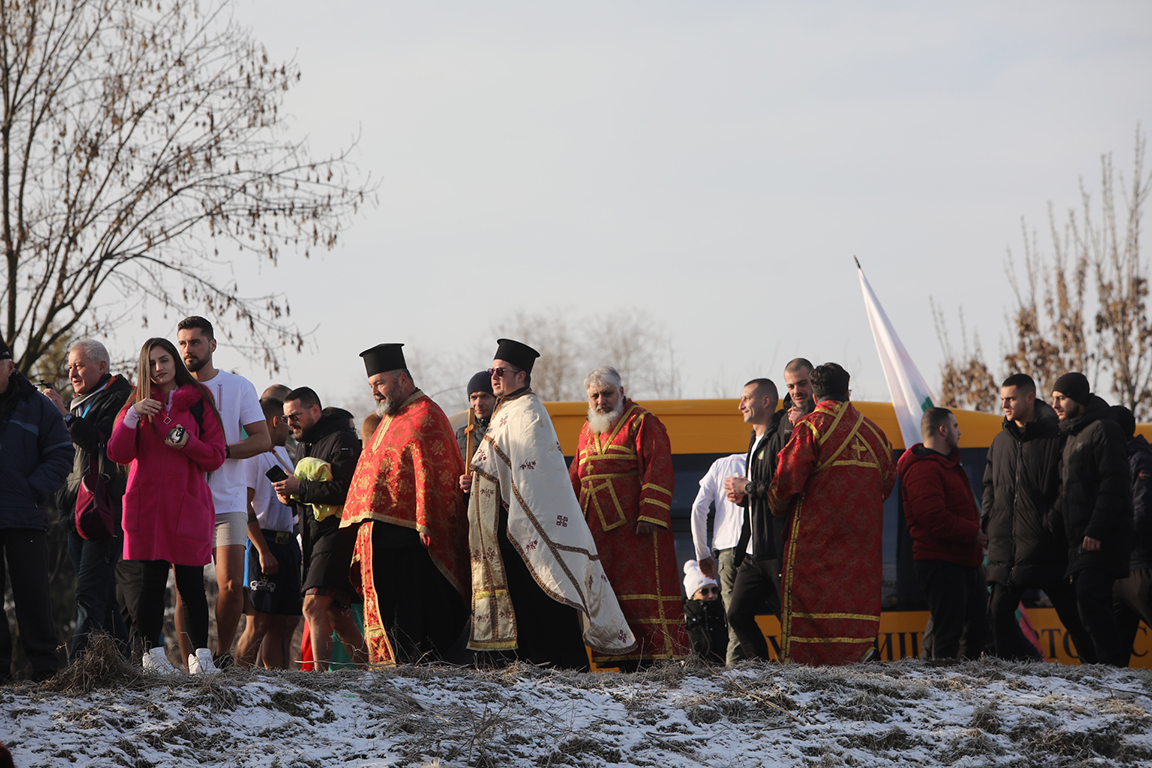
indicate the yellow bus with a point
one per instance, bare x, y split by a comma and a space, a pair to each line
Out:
702, 431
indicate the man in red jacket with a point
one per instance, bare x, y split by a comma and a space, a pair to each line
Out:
947, 541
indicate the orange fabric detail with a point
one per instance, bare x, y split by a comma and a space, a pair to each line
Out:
375, 636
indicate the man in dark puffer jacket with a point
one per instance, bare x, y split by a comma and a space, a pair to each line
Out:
1096, 507
35, 456
1132, 596
1021, 483
947, 542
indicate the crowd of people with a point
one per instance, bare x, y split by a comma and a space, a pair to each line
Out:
413, 542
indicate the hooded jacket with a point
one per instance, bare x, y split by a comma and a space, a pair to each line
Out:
1021, 484
1140, 463
35, 454
939, 506
1096, 490
333, 441
93, 416
168, 509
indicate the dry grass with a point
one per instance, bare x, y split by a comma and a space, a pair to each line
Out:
528, 716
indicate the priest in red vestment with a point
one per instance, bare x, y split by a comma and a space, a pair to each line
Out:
622, 474
412, 542
831, 482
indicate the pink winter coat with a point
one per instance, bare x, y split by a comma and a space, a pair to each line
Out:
168, 511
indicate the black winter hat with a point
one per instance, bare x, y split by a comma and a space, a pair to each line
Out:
1074, 385
480, 382
5, 353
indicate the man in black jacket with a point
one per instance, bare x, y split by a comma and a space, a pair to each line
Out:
97, 397
758, 574
1132, 596
326, 435
1096, 507
1021, 483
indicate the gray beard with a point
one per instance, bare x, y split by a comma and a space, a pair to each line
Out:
385, 407
602, 422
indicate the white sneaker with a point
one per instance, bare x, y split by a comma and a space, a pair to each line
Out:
156, 662
200, 663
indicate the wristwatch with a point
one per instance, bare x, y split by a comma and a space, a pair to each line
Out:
748, 488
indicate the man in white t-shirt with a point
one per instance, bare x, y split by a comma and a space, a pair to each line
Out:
726, 524
246, 435
274, 556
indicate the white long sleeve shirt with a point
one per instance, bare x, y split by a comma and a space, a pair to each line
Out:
729, 517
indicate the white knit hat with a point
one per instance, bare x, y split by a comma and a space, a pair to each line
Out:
694, 579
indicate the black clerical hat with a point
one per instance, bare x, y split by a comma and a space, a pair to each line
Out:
520, 355
383, 357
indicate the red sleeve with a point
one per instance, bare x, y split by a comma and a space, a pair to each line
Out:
926, 505
656, 474
797, 460
574, 467
122, 443
206, 450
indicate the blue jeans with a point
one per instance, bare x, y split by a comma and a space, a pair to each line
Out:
96, 607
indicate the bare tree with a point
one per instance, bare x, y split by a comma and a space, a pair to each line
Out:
556, 375
1054, 328
139, 137
571, 346
966, 381
639, 348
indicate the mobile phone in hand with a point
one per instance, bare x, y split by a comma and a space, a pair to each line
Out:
276, 474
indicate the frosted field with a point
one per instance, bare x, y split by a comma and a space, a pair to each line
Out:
903, 713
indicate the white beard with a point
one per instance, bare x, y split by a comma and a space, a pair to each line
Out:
602, 422
385, 407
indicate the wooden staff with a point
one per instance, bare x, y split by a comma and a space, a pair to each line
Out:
468, 447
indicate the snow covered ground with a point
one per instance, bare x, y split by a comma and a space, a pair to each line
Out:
903, 713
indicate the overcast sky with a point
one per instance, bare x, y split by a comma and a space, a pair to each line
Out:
716, 164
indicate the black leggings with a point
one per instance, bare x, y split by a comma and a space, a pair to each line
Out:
143, 584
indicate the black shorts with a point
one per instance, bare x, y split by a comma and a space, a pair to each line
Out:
331, 561
278, 593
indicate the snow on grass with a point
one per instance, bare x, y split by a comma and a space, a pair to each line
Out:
909, 713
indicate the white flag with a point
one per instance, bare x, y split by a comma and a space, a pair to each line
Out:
910, 393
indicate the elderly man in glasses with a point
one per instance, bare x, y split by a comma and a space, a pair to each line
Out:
412, 540
537, 581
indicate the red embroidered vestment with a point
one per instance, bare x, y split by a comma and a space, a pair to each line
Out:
621, 477
831, 481
408, 475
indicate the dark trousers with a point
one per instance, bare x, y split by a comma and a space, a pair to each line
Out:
96, 610
958, 601
26, 551
142, 587
1094, 601
1132, 601
547, 632
1009, 640
757, 590
422, 613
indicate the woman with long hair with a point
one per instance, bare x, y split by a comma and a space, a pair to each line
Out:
170, 435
